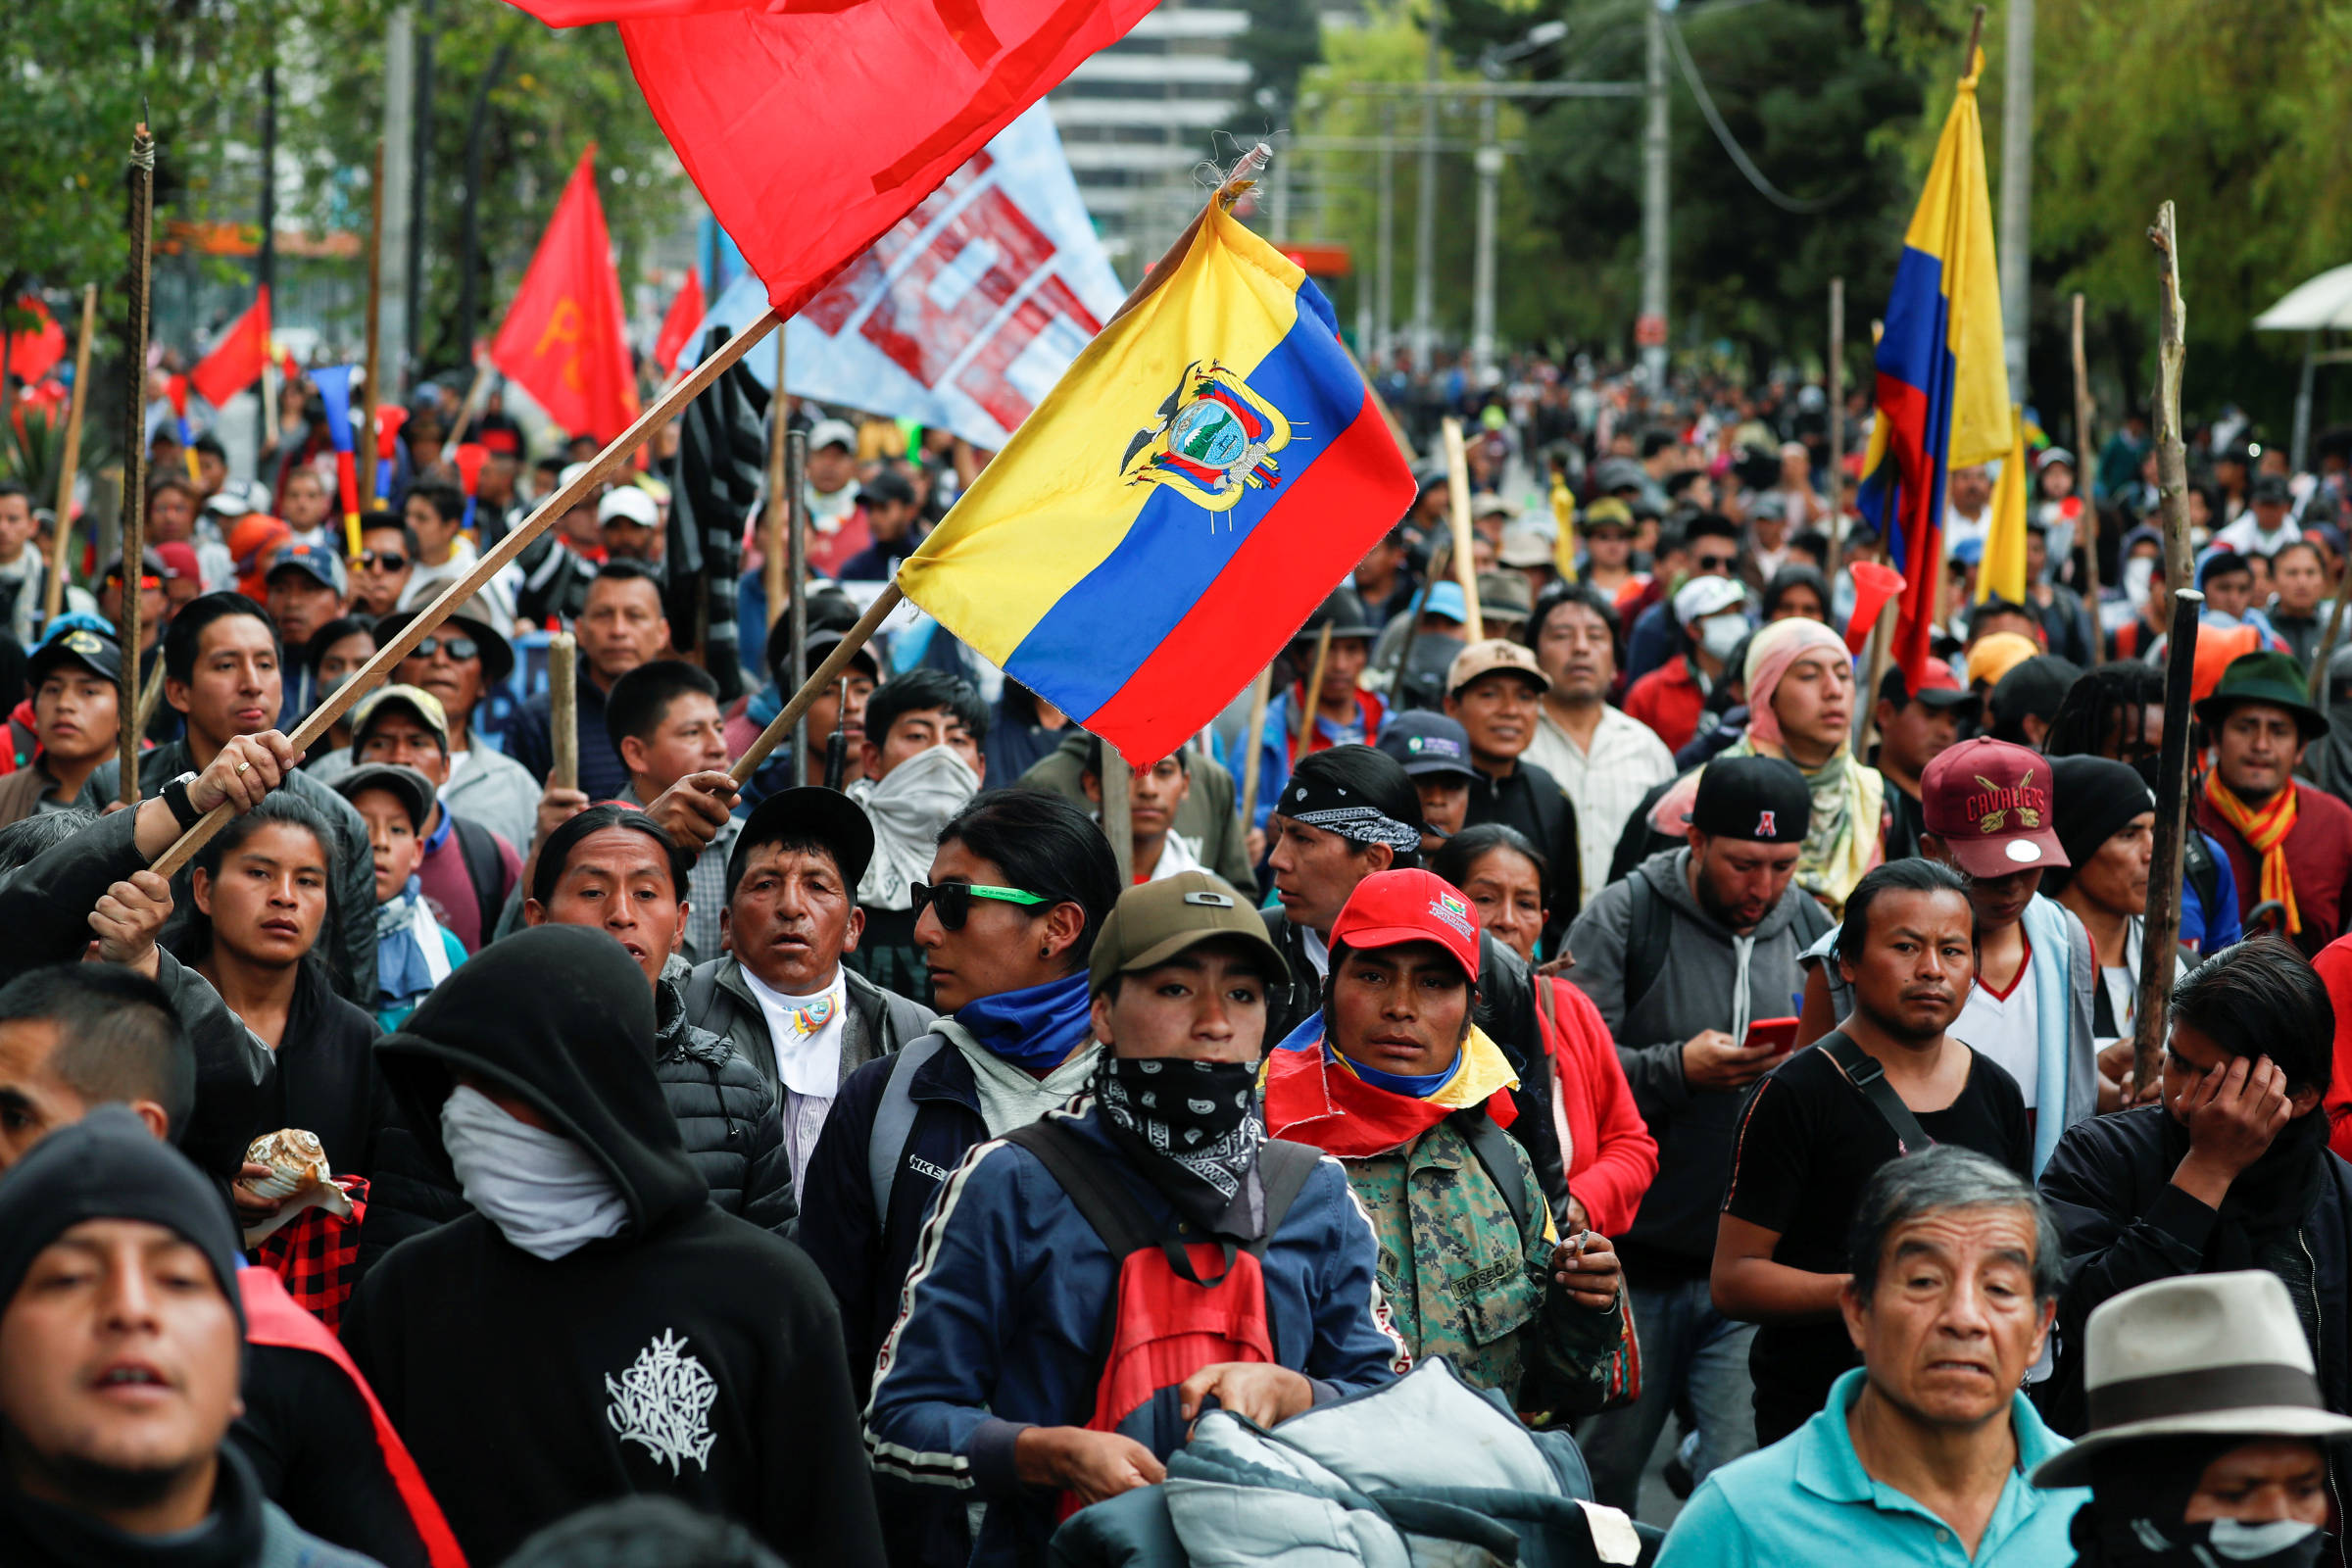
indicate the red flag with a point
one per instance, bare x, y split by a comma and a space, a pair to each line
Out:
565, 339
685, 314
35, 354
812, 126
236, 361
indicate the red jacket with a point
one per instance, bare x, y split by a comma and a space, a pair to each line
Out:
2319, 859
2334, 964
1607, 1147
1668, 699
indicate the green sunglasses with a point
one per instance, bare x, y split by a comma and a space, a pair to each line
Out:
954, 899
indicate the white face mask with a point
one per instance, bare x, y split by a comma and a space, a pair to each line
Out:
2137, 574
1720, 634
545, 1193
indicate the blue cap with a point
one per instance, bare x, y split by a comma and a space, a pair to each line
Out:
1446, 598
317, 559
1967, 552
1424, 741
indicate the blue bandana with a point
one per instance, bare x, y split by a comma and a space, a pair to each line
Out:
1035, 1028
1397, 1083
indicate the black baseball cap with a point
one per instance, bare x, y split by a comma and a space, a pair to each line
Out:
1425, 742
1760, 798
78, 645
813, 812
2034, 686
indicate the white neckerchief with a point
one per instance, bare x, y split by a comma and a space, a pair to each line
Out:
545, 1193
1009, 1097
1318, 952
1176, 854
807, 1063
908, 808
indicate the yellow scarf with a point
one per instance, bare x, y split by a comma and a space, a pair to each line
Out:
2266, 832
1847, 833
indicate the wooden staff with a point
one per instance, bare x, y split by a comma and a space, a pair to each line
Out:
1465, 565
466, 410
53, 592
1119, 821
563, 711
151, 695
1437, 559
134, 455
788, 718
2162, 923
796, 616
1254, 754
495, 560
2328, 643
1314, 695
1837, 398
2082, 463
771, 537
363, 434
1882, 651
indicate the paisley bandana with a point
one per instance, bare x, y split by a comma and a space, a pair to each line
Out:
1201, 1116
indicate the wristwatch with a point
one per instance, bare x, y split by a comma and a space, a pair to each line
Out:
184, 809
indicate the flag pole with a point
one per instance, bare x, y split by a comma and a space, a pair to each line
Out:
1465, 566
1233, 186
1312, 693
494, 560
473, 398
1119, 811
772, 576
2162, 920
363, 435
2089, 512
796, 549
53, 592
563, 712
1837, 400
134, 456
1253, 758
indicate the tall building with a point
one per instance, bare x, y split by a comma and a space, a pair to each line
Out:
1137, 121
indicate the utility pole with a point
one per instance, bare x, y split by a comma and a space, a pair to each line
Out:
1482, 294
1650, 331
400, 146
1384, 288
408, 365
1425, 215
2017, 190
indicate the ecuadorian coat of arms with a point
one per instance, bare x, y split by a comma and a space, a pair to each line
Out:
1212, 441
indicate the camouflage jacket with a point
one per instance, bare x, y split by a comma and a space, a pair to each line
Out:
1463, 1283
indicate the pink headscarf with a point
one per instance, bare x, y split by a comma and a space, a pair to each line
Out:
1769, 652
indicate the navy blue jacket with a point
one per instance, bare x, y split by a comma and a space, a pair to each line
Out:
1006, 1310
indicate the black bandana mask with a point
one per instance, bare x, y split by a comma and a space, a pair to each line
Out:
1201, 1116
2222, 1544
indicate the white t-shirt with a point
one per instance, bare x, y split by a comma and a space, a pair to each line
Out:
808, 1061
2006, 1029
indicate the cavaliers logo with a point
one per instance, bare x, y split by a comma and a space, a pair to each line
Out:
1992, 807
1212, 441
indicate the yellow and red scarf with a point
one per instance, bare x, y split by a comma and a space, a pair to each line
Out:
2266, 833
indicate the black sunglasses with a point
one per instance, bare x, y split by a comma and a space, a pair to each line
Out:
387, 560
954, 899
460, 649
1715, 563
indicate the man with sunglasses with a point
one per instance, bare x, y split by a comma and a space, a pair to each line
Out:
387, 557
1712, 542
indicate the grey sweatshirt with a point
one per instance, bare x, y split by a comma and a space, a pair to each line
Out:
1709, 979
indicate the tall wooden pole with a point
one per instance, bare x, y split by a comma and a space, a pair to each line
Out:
2084, 460
53, 592
2162, 923
1465, 565
1313, 704
1253, 755
362, 434
599, 468
1119, 811
772, 565
796, 617
134, 453
1837, 398
564, 711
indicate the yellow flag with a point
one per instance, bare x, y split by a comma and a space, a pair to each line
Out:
2003, 569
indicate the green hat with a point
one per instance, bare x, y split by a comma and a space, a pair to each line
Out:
1157, 921
2272, 678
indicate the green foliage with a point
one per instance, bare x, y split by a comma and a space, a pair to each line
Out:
31, 451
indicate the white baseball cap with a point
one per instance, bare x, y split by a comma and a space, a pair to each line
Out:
832, 433
629, 504
1702, 597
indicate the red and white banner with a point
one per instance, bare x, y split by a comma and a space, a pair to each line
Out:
963, 314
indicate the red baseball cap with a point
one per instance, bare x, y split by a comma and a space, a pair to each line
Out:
1389, 908
1991, 801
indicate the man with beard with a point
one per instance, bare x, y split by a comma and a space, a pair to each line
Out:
985, 1377
1885, 1084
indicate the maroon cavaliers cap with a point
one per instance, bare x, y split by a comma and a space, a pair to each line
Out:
1991, 801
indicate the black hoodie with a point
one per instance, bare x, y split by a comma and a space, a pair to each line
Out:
693, 1354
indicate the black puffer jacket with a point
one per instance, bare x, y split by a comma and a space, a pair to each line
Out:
727, 1113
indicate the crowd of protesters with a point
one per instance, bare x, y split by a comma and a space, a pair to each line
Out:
1617, 1020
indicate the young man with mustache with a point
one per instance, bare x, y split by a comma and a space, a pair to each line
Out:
1819, 1124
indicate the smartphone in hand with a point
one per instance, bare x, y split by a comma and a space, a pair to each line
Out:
1779, 1034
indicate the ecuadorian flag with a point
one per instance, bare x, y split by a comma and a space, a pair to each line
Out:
1942, 389
1205, 472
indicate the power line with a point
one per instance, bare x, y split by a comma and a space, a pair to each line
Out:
1723, 133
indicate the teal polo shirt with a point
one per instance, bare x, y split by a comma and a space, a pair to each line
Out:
1807, 1497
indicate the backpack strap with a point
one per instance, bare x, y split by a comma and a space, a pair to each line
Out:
1864, 1073
485, 866
1284, 1168
1493, 1146
1644, 941
893, 1120
1100, 1197
2196, 860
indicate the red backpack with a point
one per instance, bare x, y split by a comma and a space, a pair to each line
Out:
1170, 1317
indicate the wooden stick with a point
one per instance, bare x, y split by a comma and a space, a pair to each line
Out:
2082, 464
1437, 558
1314, 695
1118, 819
494, 560
2160, 926
151, 695
1975, 35
53, 592
466, 410
771, 535
2172, 453
1866, 700
1465, 565
2333, 639
796, 552
564, 711
134, 456
788, 718
1255, 756
1837, 398
270, 431
363, 435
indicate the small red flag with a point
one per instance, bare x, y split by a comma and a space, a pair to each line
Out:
236, 361
812, 126
564, 338
33, 353
685, 314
